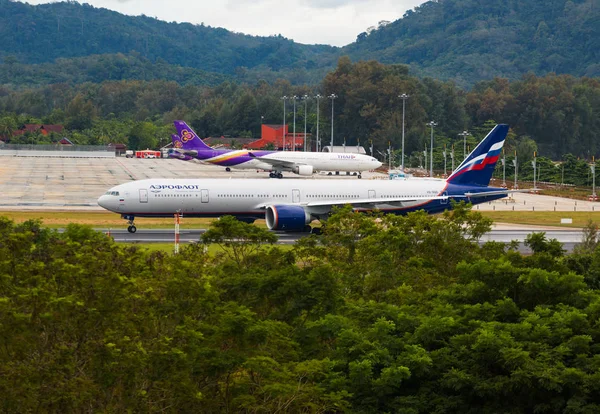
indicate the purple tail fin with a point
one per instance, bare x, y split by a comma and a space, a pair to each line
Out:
189, 139
176, 141
173, 153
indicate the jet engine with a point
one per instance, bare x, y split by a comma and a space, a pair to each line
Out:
303, 169
287, 218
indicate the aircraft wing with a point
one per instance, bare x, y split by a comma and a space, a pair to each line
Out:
365, 203
372, 201
275, 162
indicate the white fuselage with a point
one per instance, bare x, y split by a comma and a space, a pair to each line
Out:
248, 197
320, 161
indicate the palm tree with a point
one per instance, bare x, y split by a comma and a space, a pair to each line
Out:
7, 127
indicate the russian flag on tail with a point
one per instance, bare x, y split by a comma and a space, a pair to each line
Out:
478, 167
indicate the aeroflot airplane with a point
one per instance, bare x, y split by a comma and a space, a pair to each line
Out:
188, 146
290, 205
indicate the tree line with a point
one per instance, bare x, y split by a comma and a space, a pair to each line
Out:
379, 314
553, 115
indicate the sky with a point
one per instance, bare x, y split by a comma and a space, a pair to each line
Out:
332, 22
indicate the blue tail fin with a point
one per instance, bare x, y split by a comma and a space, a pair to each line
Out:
478, 167
189, 139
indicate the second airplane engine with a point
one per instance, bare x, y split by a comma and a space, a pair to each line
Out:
287, 218
303, 169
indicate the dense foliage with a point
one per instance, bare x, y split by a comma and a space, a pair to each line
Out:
472, 40
400, 314
100, 68
462, 40
43, 33
554, 115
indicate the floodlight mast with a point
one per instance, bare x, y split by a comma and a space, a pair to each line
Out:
332, 97
404, 97
431, 124
283, 98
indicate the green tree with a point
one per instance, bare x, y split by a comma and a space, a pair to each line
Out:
237, 238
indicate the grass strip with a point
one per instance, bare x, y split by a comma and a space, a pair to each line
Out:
543, 218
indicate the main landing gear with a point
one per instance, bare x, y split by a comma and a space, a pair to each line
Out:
131, 228
275, 174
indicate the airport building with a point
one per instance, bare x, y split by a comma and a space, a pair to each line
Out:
278, 137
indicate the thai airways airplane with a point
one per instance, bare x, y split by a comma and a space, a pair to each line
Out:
291, 205
190, 146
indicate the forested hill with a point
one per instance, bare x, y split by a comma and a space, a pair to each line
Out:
471, 40
43, 33
463, 40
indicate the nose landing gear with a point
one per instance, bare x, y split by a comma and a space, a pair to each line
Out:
131, 228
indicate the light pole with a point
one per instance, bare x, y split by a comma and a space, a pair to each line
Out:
318, 97
284, 98
444, 154
389, 156
371, 142
404, 97
503, 169
452, 157
464, 134
516, 186
332, 97
295, 98
431, 124
593, 168
533, 164
306, 98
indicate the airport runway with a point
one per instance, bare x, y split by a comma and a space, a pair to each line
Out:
74, 184
568, 237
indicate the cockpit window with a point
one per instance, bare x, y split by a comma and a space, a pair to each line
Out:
112, 193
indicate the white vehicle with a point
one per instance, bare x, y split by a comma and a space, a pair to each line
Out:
188, 146
290, 205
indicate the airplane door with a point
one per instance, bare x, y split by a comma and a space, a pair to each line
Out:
143, 195
204, 196
371, 193
295, 196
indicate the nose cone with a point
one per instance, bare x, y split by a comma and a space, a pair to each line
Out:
376, 164
107, 202
103, 201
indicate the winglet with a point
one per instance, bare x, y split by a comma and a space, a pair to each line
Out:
189, 139
478, 167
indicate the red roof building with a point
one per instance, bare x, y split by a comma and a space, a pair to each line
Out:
222, 142
274, 135
41, 128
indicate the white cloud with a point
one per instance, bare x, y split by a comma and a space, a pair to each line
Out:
334, 22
